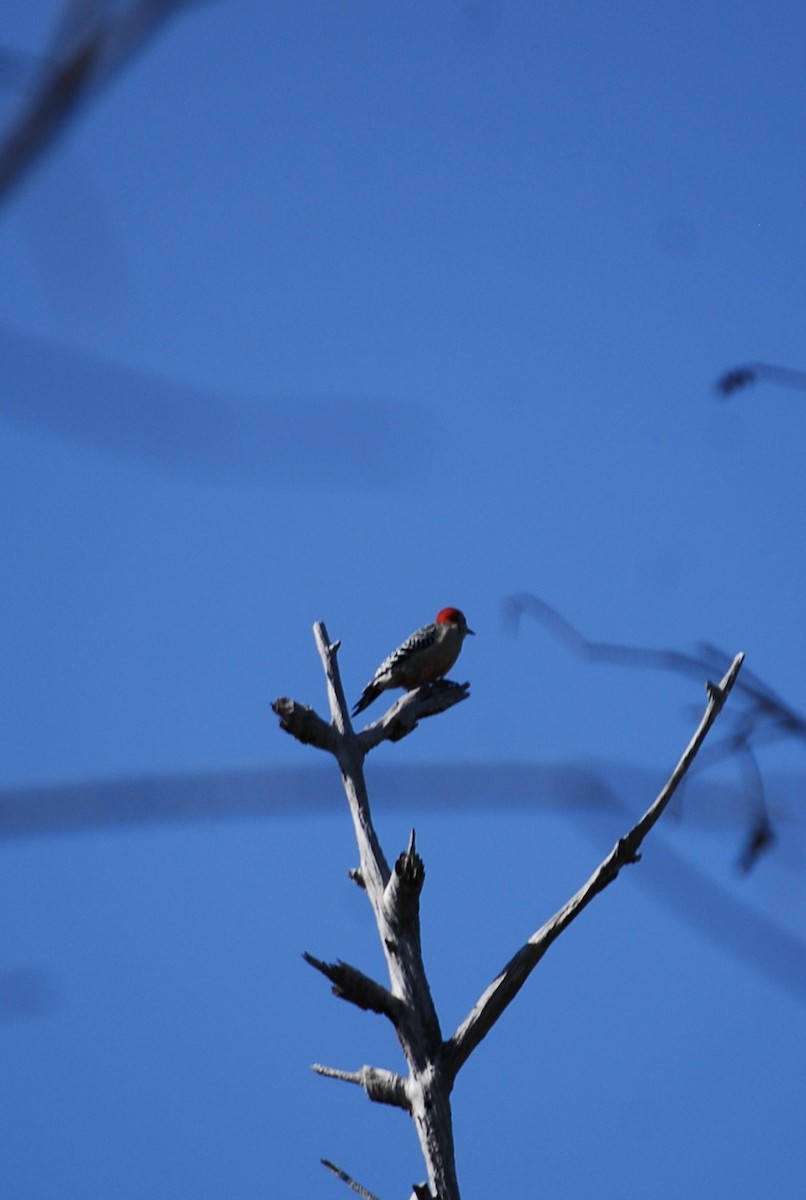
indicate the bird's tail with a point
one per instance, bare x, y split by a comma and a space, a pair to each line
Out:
370, 693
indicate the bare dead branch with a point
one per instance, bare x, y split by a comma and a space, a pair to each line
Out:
351, 984
384, 1087
374, 867
402, 718
304, 724
403, 890
506, 986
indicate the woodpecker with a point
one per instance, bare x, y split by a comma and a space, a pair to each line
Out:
425, 656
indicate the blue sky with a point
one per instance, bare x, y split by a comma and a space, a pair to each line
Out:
350, 312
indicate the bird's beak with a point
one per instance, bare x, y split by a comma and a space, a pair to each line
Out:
472, 632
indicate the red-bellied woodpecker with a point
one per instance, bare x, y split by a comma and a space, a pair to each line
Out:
425, 656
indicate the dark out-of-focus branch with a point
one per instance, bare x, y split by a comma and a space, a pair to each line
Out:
93, 45
742, 377
759, 715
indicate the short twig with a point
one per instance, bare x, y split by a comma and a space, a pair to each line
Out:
741, 377
304, 724
362, 1191
351, 984
384, 1087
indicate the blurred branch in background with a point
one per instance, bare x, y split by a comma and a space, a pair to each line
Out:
93, 41
742, 377
597, 797
758, 716
127, 414
181, 430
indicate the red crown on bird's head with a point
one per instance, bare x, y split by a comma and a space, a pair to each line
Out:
452, 616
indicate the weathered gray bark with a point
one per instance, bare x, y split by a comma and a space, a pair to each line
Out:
394, 894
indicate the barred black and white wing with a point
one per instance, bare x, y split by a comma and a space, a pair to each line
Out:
402, 668
424, 656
